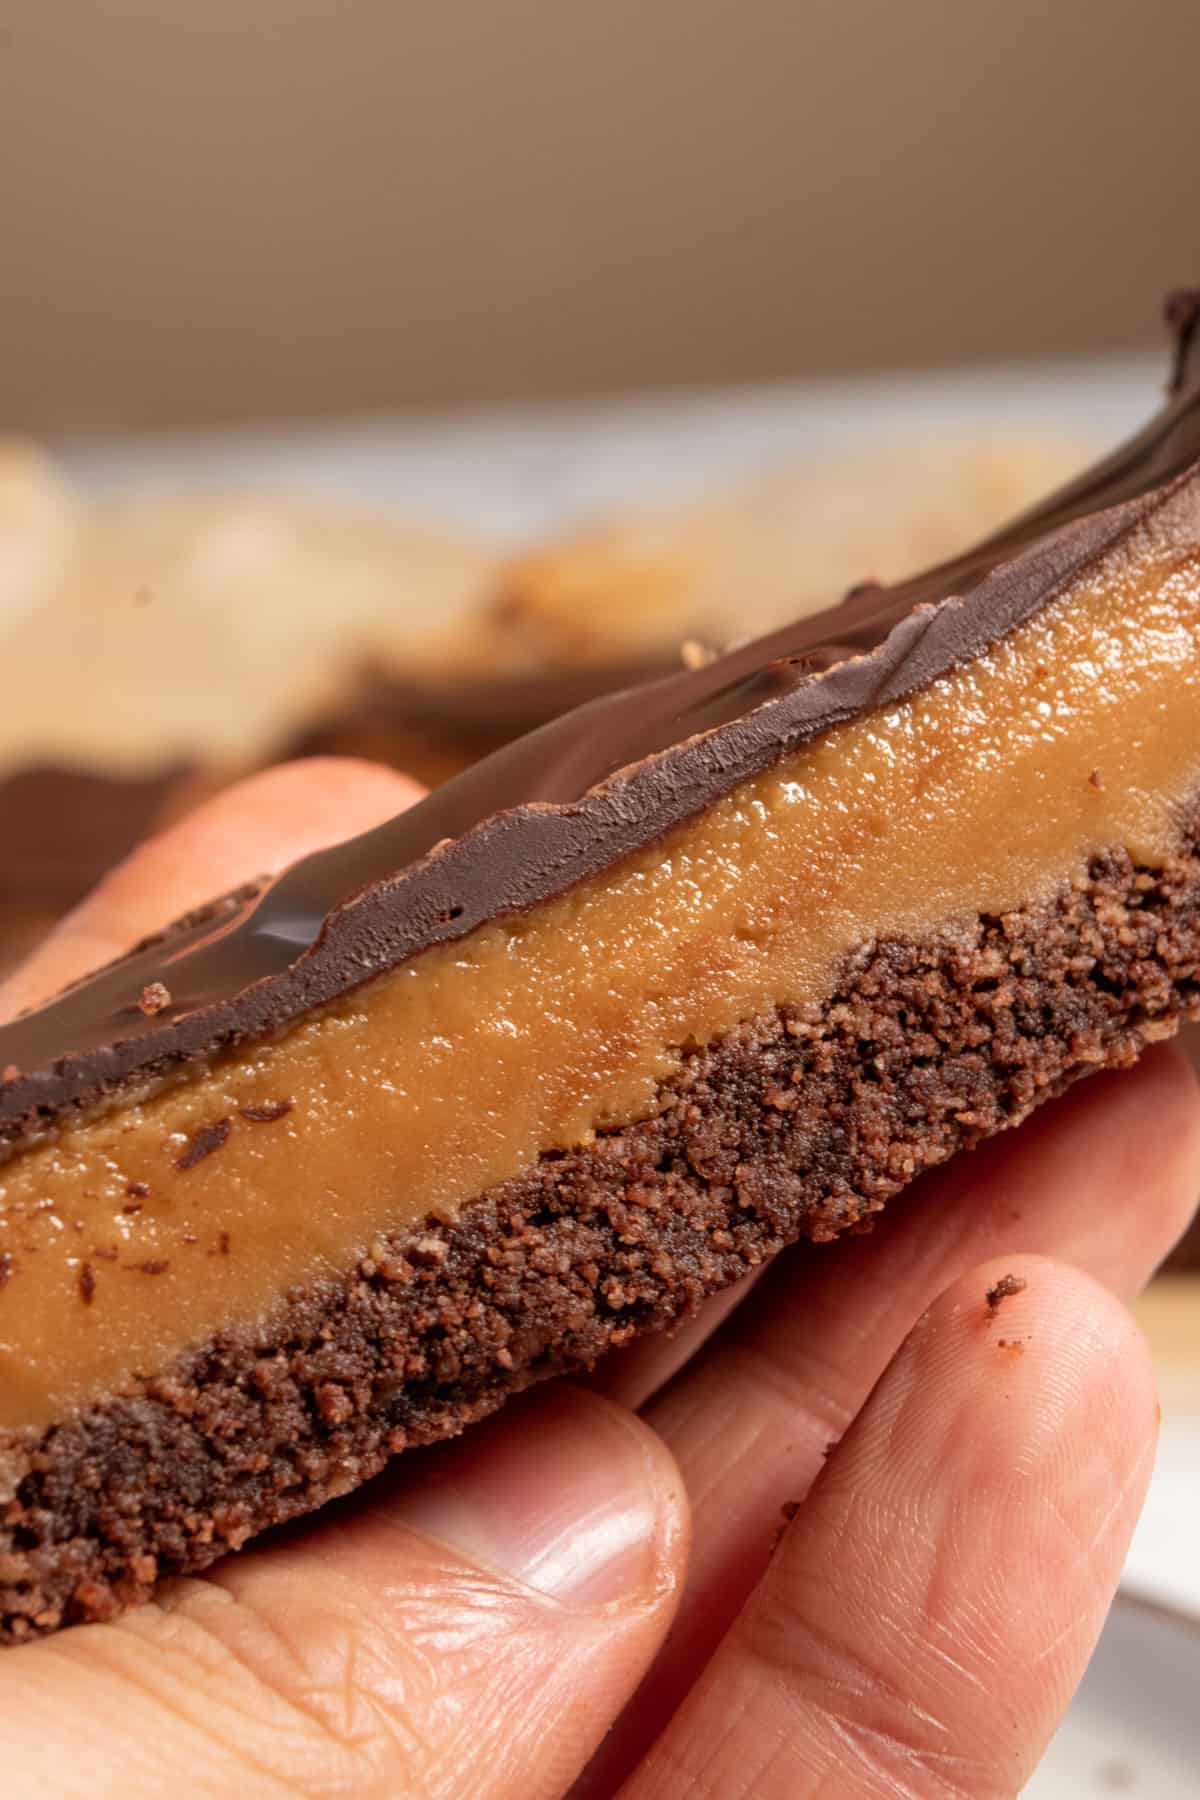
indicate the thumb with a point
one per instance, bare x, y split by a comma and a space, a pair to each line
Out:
470, 1625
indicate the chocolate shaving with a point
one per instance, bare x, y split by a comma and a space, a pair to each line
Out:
87, 1284
6, 1267
267, 1112
153, 1266
202, 1143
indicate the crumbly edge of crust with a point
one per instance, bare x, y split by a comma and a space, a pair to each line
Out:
799, 1125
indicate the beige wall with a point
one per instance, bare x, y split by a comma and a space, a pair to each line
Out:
230, 208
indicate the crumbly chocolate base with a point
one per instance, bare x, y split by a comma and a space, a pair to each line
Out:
798, 1125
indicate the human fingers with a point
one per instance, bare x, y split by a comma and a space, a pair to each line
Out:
1104, 1178
933, 1604
470, 1624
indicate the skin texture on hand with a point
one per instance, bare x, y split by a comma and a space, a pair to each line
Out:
490, 1617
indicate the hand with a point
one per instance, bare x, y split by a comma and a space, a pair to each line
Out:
473, 1622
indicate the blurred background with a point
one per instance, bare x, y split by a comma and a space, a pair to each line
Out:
275, 209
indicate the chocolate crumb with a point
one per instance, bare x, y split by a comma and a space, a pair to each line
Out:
223, 1243
87, 1284
138, 1190
153, 1266
202, 1143
787, 1513
6, 1266
155, 995
267, 1112
105, 1252
334, 1404
131, 1207
1004, 1289
1096, 779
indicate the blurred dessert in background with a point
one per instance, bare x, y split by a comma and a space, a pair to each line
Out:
741, 561
153, 628
613, 600
158, 644
162, 643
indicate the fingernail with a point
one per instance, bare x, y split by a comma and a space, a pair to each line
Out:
558, 1492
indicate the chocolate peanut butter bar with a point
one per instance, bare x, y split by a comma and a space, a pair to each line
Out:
334, 1165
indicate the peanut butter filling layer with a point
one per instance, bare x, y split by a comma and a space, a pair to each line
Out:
125, 1241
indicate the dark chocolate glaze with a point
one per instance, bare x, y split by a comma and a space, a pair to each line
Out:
572, 798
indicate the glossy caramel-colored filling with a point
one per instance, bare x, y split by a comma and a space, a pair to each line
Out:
131, 1238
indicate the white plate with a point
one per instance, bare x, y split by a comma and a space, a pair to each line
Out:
1134, 1728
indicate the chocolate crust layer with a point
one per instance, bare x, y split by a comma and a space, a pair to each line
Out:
799, 1125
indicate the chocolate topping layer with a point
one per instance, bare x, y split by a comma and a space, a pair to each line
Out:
574, 797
